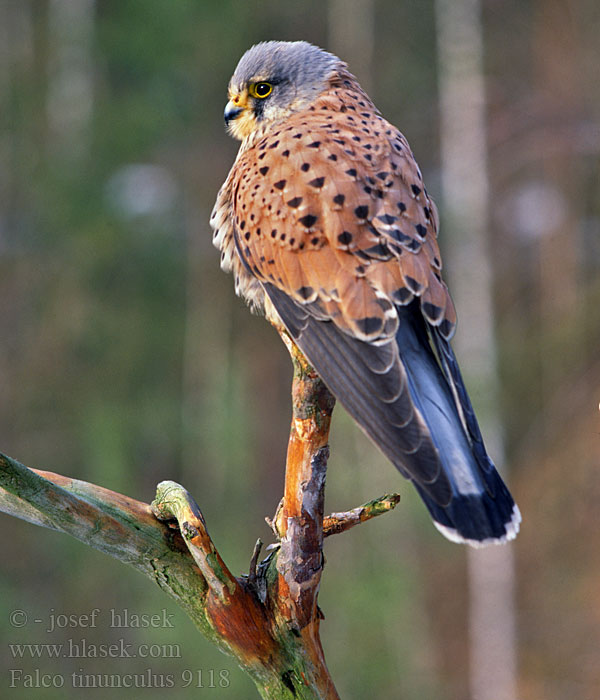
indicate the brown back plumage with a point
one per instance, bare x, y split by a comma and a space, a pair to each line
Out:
331, 208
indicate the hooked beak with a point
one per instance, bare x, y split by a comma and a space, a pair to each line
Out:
232, 111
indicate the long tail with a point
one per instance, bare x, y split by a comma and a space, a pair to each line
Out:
408, 396
481, 509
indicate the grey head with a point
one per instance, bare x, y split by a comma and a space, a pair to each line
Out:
273, 79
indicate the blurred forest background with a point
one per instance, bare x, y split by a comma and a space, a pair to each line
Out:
125, 358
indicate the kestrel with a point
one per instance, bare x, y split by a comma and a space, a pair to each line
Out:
327, 227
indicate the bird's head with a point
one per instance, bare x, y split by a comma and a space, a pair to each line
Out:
274, 79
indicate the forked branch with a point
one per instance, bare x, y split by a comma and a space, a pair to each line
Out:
268, 620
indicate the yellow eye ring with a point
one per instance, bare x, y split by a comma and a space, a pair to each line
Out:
260, 90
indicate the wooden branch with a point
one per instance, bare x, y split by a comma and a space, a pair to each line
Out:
268, 620
299, 521
113, 523
173, 502
340, 522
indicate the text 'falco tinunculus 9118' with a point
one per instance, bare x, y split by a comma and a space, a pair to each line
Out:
326, 224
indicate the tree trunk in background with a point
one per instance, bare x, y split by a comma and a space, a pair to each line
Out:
557, 77
351, 33
69, 101
469, 274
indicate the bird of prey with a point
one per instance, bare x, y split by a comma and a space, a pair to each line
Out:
328, 229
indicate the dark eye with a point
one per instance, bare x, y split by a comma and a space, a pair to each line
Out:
261, 90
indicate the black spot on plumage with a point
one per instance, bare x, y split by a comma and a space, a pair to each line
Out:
432, 311
306, 292
415, 287
282, 237
317, 182
264, 170
308, 220
383, 304
280, 184
351, 172
402, 207
414, 245
273, 233
382, 175
380, 250
332, 157
427, 213
402, 295
387, 218
421, 230
345, 237
339, 199
446, 328
274, 144
294, 202
314, 144
369, 324
315, 240
304, 167
416, 190
367, 189
362, 211
242, 225
399, 236
247, 235
292, 241
285, 153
